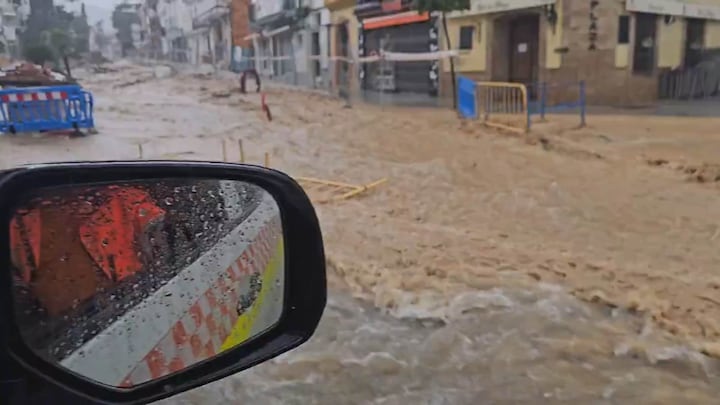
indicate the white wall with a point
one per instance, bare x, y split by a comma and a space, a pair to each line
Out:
264, 8
176, 17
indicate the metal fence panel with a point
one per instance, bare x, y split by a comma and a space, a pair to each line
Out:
46, 108
559, 97
467, 102
504, 105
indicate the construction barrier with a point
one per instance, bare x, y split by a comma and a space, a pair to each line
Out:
558, 97
48, 108
326, 191
504, 105
467, 101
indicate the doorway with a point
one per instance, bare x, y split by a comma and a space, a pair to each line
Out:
523, 49
694, 41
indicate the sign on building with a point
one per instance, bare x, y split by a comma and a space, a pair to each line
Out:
666, 7
674, 7
497, 6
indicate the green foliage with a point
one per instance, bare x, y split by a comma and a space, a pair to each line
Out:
51, 46
39, 54
53, 27
61, 42
442, 5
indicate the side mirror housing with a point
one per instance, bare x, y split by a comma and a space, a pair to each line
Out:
129, 282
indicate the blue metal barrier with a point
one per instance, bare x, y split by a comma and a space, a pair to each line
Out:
559, 98
48, 108
467, 98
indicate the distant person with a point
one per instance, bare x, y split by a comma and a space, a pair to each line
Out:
243, 79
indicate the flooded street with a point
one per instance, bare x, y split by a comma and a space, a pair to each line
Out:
489, 347
562, 267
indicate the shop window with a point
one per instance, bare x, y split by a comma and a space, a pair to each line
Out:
467, 33
645, 43
694, 41
624, 29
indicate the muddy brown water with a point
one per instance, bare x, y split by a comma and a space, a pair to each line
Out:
487, 347
438, 323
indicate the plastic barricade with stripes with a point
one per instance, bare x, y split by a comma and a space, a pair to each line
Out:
48, 108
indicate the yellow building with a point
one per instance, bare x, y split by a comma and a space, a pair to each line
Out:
618, 48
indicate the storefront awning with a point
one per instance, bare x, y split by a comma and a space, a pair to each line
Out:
478, 7
390, 20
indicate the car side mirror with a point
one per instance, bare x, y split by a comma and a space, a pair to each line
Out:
135, 281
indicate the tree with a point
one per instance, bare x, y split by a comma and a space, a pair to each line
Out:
39, 54
53, 28
61, 42
445, 6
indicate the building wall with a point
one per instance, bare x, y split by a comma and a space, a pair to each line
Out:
564, 49
712, 34
242, 47
338, 17
475, 59
240, 22
606, 83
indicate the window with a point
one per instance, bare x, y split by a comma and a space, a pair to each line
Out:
466, 37
694, 41
644, 53
624, 29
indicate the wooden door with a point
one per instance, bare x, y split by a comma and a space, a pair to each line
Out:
524, 62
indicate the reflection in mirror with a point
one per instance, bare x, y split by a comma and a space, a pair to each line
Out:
125, 283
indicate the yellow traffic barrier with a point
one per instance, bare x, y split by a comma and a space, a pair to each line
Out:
323, 191
333, 191
504, 105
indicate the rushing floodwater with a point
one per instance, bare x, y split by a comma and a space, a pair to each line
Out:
488, 347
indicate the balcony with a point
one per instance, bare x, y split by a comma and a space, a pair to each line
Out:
208, 11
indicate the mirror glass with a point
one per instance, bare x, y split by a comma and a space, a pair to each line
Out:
125, 283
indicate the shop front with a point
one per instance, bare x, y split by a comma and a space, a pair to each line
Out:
403, 30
